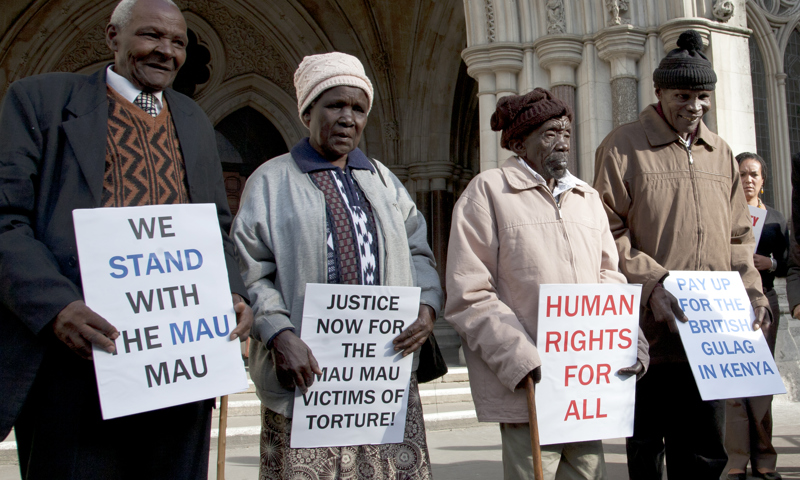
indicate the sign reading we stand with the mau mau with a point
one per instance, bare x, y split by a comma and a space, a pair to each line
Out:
586, 333
361, 398
158, 274
728, 358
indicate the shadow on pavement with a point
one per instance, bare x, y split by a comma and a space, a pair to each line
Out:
243, 460
466, 448
483, 469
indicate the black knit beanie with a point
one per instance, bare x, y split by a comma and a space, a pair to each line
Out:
686, 67
518, 115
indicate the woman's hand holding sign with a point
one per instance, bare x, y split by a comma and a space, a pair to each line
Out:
295, 365
412, 338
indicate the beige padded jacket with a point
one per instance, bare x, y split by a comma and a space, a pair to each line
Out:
670, 208
508, 237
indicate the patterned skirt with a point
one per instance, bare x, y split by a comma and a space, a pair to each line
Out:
397, 461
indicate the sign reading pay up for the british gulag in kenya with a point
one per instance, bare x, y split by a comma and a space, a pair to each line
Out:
158, 274
586, 333
361, 398
728, 358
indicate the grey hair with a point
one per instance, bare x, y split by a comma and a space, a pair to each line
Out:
124, 10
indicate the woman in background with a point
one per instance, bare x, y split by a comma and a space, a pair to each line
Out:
326, 213
748, 434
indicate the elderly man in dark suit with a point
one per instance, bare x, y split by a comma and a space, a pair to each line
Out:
117, 138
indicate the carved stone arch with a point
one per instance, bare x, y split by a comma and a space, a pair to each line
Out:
292, 31
48, 34
475, 19
262, 95
771, 50
785, 33
208, 37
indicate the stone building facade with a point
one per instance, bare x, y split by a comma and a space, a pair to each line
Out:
439, 67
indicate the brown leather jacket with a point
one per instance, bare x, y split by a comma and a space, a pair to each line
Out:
670, 208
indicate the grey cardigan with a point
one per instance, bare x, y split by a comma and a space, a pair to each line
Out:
280, 233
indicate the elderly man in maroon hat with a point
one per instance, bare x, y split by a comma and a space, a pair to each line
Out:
509, 235
672, 194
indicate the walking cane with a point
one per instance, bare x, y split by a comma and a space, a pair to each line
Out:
223, 425
538, 474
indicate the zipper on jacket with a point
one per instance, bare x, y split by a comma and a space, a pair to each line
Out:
564, 228
688, 146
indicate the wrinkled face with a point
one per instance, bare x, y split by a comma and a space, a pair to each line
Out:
546, 149
752, 179
336, 119
151, 48
684, 108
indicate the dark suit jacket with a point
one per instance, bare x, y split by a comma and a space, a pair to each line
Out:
53, 130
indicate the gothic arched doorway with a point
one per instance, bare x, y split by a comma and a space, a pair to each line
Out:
245, 140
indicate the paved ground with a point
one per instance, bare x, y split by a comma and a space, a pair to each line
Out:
475, 453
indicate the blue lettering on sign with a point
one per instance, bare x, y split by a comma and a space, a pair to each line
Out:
164, 262
725, 348
189, 331
730, 325
745, 369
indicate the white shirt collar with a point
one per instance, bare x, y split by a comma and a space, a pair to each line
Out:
125, 88
567, 182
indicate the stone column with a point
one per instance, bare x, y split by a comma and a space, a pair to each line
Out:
781, 151
560, 54
622, 46
435, 199
495, 66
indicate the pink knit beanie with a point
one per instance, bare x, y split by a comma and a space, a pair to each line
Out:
317, 73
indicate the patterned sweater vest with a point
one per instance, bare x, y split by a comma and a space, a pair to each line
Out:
144, 163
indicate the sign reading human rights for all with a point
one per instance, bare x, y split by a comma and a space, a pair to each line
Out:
728, 358
361, 398
586, 334
158, 274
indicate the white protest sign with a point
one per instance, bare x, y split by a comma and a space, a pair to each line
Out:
728, 359
586, 333
758, 216
361, 397
158, 274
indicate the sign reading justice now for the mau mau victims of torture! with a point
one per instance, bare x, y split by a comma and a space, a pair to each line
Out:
586, 333
158, 274
361, 398
728, 358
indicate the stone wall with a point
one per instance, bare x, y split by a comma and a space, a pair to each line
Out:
787, 354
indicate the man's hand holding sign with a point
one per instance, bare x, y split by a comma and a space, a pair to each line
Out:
158, 274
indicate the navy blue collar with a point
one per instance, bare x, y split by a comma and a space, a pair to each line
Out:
309, 160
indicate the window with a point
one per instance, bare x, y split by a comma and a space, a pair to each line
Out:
759, 79
792, 68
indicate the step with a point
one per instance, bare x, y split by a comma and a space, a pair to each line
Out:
446, 395
447, 404
8, 453
454, 374
450, 415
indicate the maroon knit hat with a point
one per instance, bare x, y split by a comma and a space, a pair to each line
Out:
518, 115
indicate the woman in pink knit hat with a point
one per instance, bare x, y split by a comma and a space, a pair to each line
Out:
326, 213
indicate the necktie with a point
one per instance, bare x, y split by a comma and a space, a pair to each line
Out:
147, 102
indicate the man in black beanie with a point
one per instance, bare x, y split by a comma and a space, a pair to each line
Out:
671, 191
